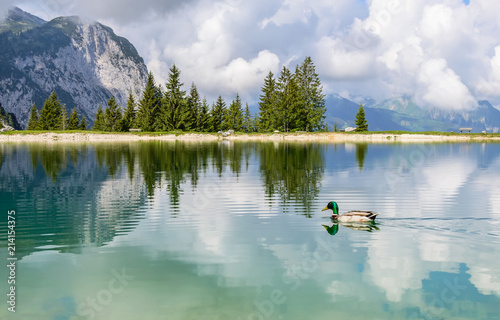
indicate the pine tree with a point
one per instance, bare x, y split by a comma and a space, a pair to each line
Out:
34, 121
281, 108
113, 116
234, 118
255, 122
99, 120
217, 115
51, 116
194, 108
83, 123
73, 123
335, 127
204, 117
361, 123
247, 120
287, 105
149, 107
312, 99
175, 114
65, 118
129, 115
267, 103
294, 110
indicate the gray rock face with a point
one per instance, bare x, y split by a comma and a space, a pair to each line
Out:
85, 62
7, 128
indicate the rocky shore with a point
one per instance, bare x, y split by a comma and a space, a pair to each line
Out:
305, 137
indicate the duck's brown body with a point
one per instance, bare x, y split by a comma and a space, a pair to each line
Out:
355, 216
351, 216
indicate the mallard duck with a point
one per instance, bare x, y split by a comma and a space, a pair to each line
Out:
351, 216
360, 226
333, 229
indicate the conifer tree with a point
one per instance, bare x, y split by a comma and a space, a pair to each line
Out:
204, 117
73, 123
312, 99
247, 120
281, 108
234, 118
175, 113
51, 116
255, 122
360, 121
65, 118
287, 105
99, 120
194, 109
112, 116
267, 103
33, 122
293, 98
83, 123
129, 115
149, 106
217, 115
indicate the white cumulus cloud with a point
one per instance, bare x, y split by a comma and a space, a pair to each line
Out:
443, 52
439, 86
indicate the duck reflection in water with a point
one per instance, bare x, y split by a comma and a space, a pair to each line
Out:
369, 227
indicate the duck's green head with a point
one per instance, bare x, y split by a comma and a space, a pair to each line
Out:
333, 229
332, 206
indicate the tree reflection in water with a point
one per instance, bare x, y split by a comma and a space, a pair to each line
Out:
82, 190
293, 171
361, 149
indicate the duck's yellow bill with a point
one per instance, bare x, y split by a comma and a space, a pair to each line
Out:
326, 208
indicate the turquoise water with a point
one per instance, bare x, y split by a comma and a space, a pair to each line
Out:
171, 230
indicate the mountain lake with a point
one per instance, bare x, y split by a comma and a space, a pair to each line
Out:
234, 230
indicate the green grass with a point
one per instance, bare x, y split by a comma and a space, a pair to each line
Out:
35, 132
434, 133
153, 134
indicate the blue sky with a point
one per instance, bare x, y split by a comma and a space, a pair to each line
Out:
443, 53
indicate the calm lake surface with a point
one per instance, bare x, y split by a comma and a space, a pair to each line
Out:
173, 230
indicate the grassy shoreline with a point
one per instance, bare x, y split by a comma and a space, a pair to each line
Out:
381, 137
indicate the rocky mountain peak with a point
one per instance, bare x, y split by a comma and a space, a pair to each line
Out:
85, 62
18, 21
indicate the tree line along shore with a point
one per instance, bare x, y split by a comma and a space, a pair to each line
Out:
294, 101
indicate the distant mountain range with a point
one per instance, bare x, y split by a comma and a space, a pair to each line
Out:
403, 114
85, 62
